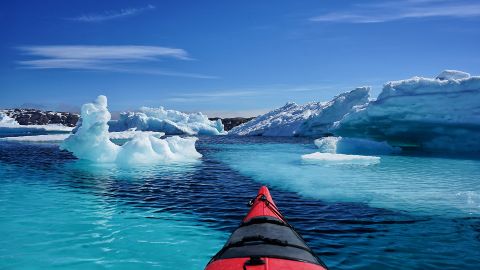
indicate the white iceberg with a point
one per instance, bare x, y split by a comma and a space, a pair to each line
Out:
92, 141
169, 121
441, 114
313, 118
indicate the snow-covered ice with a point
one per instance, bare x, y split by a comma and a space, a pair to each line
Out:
313, 118
169, 121
441, 114
92, 141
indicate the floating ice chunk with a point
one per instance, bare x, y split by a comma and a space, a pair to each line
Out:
169, 121
354, 146
6, 120
144, 148
33, 129
311, 119
51, 138
340, 150
92, 141
341, 158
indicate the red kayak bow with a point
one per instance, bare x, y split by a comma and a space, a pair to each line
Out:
265, 241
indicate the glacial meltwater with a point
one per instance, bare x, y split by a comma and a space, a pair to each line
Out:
407, 211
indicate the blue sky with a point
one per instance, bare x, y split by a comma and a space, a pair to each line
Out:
225, 57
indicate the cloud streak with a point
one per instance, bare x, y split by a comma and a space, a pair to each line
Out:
401, 10
83, 52
112, 14
104, 58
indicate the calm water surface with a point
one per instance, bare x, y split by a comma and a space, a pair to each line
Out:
408, 212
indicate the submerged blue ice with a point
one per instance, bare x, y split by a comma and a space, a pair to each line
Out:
418, 184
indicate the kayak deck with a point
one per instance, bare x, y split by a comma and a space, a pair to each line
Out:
265, 240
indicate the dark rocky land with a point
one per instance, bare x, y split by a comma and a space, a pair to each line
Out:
39, 117
229, 123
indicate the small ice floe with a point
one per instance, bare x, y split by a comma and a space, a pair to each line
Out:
51, 138
341, 158
338, 150
354, 146
91, 141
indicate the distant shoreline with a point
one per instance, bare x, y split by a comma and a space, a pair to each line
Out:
27, 117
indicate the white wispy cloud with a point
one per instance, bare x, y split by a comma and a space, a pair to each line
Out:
104, 52
400, 10
112, 14
113, 58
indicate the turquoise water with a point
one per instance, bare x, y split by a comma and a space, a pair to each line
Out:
408, 211
50, 225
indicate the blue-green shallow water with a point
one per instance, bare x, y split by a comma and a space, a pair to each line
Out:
406, 212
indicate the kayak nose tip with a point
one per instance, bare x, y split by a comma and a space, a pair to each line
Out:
264, 191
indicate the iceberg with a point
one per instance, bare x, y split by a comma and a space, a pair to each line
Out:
92, 142
441, 114
169, 121
433, 114
311, 119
